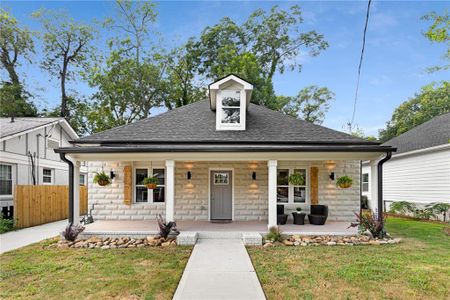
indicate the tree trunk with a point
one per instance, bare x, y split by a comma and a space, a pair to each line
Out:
63, 92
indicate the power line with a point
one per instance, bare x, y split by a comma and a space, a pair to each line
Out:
350, 125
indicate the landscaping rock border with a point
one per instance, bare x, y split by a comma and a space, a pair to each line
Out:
113, 243
327, 240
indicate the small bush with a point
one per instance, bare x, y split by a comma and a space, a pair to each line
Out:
166, 228
274, 234
72, 231
6, 224
371, 223
439, 208
402, 207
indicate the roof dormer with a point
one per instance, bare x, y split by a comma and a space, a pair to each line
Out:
230, 97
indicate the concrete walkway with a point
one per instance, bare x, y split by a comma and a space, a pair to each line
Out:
23, 237
219, 269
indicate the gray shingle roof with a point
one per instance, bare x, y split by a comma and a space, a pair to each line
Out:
196, 123
432, 133
8, 128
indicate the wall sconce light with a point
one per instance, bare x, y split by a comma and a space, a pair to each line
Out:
332, 176
253, 175
112, 175
189, 175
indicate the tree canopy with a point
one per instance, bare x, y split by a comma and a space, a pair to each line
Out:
439, 32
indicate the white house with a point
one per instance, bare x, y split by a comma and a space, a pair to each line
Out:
221, 160
419, 171
27, 154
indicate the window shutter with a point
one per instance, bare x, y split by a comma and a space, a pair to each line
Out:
128, 185
314, 178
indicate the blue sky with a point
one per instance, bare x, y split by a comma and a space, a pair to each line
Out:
393, 70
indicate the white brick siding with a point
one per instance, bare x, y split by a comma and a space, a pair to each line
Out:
250, 197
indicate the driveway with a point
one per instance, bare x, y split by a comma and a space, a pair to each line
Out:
23, 237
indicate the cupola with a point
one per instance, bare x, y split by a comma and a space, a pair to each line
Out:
230, 97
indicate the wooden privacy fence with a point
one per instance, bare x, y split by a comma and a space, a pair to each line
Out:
40, 204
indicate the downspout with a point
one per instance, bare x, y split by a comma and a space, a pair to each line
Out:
64, 159
380, 184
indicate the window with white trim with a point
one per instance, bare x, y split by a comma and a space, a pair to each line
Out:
287, 192
142, 194
82, 179
365, 182
230, 110
6, 181
47, 176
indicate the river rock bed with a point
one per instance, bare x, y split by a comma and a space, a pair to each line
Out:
113, 243
326, 240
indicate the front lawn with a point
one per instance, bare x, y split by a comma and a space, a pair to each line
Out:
417, 268
40, 273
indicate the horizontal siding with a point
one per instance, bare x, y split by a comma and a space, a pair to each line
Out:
421, 178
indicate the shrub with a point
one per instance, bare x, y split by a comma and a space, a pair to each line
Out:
72, 231
371, 223
439, 208
6, 224
402, 207
274, 234
166, 228
364, 202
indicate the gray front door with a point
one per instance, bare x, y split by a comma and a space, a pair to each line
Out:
221, 195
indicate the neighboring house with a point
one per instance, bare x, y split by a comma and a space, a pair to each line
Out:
222, 159
419, 171
27, 155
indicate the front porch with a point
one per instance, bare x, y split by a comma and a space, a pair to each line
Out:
207, 229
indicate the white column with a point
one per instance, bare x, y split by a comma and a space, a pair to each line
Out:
76, 192
170, 190
272, 193
373, 203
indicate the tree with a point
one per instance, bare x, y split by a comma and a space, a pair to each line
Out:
310, 104
431, 101
130, 80
15, 43
265, 43
67, 49
439, 32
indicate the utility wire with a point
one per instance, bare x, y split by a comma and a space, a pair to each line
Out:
350, 125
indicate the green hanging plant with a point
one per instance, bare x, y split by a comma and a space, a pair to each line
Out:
102, 179
296, 179
150, 182
344, 182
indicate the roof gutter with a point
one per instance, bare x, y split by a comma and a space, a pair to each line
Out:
380, 185
71, 204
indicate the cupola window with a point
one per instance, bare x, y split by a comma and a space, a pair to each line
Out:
231, 107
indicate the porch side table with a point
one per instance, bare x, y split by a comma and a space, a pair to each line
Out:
299, 218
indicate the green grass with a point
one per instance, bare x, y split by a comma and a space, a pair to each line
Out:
417, 268
36, 272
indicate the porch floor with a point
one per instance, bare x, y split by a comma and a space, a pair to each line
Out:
150, 227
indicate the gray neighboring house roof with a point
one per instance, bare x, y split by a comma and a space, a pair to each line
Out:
432, 133
19, 125
196, 123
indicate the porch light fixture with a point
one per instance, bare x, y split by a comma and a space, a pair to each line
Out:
331, 176
253, 175
189, 175
112, 175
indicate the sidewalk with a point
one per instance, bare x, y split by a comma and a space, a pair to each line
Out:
219, 269
22, 237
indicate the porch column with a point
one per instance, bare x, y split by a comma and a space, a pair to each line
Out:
272, 193
373, 185
170, 190
76, 192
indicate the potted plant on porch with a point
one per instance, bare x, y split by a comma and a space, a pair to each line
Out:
344, 182
299, 216
296, 179
102, 179
150, 182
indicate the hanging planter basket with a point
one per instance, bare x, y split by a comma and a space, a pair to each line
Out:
344, 182
150, 182
296, 179
102, 179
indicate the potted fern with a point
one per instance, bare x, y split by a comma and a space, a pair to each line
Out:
296, 179
344, 182
150, 182
102, 179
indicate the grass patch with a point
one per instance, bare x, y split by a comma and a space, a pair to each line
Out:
142, 273
417, 268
